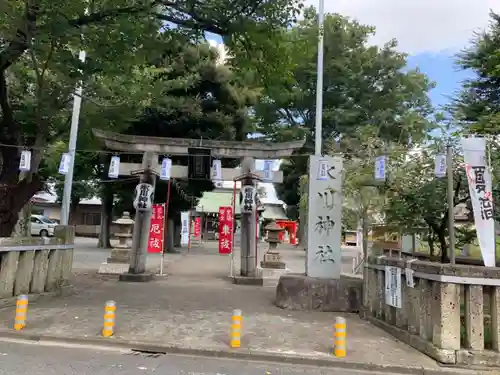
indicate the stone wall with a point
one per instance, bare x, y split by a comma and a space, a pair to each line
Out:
34, 265
452, 313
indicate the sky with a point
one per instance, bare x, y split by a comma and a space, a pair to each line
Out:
431, 33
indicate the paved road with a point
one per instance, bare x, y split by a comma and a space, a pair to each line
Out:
29, 359
88, 257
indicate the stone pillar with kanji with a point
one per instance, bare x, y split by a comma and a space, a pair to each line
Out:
248, 206
143, 203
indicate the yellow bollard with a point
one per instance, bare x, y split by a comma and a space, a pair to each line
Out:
236, 321
109, 319
21, 312
340, 332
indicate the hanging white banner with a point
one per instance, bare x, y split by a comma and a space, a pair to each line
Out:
185, 228
268, 171
322, 173
64, 164
25, 161
114, 167
380, 168
440, 165
216, 170
479, 179
166, 168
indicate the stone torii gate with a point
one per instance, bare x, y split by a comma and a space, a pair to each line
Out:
154, 147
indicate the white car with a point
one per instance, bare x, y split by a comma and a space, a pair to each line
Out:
42, 226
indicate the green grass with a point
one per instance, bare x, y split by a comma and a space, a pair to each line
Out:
474, 250
488, 343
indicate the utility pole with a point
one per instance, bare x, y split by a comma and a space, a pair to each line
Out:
75, 117
451, 203
319, 83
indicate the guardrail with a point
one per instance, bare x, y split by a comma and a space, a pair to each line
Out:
450, 312
36, 265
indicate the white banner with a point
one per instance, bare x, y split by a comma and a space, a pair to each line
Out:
479, 179
216, 170
185, 228
114, 167
25, 161
166, 167
440, 165
64, 164
268, 170
380, 168
393, 286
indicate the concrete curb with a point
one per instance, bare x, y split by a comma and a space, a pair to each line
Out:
258, 356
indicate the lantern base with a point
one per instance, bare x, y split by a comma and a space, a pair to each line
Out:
270, 275
273, 265
272, 259
113, 268
136, 277
119, 255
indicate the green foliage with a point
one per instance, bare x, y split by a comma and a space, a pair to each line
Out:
418, 199
199, 99
39, 69
477, 107
478, 104
363, 86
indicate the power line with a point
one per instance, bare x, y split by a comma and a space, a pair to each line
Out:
383, 151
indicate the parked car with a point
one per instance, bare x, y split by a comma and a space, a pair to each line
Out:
42, 226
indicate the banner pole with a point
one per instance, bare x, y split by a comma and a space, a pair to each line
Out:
165, 228
231, 258
451, 203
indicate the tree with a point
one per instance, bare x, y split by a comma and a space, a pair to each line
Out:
416, 198
39, 65
200, 100
363, 85
477, 107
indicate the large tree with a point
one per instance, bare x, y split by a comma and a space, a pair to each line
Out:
477, 107
363, 85
39, 65
201, 100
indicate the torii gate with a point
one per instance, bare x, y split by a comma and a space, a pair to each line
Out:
153, 147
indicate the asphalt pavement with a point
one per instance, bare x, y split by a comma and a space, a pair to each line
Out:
24, 359
88, 257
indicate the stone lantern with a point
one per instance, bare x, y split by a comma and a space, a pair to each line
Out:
119, 259
272, 258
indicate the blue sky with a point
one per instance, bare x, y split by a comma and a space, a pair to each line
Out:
441, 69
431, 32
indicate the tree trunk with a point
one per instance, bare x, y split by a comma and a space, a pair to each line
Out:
170, 236
23, 225
73, 208
177, 235
107, 197
444, 247
12, 199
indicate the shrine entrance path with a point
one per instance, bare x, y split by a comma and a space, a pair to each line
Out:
190, 309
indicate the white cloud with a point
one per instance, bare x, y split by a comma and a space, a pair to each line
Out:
419, 26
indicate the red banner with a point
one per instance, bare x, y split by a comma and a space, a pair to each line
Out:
155, 243
197, 227
225, 230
